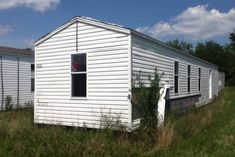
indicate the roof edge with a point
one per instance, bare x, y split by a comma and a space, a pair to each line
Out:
87, 20
114, 27
171, 48
14, 54
15, 51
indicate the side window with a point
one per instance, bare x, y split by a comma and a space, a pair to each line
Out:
78, 75
176, 76
189, 77
32, 77
199, 79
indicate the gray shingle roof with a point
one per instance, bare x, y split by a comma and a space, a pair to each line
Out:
15, 51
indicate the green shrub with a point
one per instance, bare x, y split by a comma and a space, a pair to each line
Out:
8, 103
196, 132
146, 100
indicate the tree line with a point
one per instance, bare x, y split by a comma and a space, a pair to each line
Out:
221, 55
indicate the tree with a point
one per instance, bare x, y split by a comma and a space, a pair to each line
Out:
232, 42
145, 99
181, 45
212, 52
220, 56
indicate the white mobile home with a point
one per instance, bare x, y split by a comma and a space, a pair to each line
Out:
85, 70
16, 76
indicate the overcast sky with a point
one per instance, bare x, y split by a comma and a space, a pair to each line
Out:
23, 21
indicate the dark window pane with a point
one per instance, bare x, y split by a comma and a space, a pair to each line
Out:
189, 70
199, 72
199, 79
78, 62
176, 84
79, 85
32, 84
176, 67
32, 67
188, 84
199, 84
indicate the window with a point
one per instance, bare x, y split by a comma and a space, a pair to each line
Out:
176, 76
32, 67
32, 84
189, 77
32, 77
199, 79
79, 75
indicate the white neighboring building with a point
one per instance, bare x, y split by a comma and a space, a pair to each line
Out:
16, 76
85, 69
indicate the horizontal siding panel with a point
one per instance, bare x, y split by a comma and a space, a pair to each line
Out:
84, 103
64, 49
107, 76
87, 113
147, 55
71, 117
105, 36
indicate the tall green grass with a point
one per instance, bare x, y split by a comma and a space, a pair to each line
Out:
206, 131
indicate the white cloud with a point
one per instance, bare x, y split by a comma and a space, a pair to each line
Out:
4, 29
195, 23
29, 43
38, 5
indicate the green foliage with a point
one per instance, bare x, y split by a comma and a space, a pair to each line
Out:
218, 55
232, 43
221, 55
181, 45
8, 103
146, 100
206, 131
212, 52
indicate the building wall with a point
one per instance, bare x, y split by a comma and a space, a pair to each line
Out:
107, 77
10, 79
147, 55
1, 83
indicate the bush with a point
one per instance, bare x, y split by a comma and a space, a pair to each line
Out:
8, 103
146, 100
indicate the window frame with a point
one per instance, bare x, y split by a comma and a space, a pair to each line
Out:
199, 78
189, 78
80, 72
176, 75
32, 88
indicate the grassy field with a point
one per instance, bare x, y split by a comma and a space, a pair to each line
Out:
204, 132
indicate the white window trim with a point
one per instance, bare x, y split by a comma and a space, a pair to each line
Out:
81, 72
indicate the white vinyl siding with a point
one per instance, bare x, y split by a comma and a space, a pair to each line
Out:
1, 83
147, 55
114, 55
10, 79
107, 77
25, 93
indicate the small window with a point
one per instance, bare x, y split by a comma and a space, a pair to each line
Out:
189, 77
176, 76
32, 84
79, 75
32, 67
199, 79
32, 77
